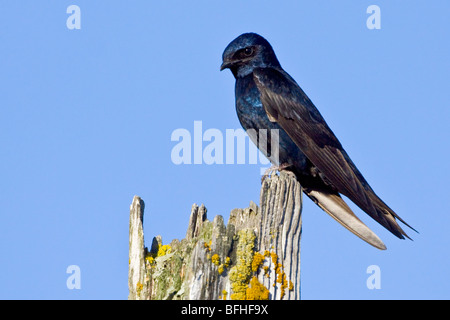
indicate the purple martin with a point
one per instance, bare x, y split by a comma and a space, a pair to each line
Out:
267, 97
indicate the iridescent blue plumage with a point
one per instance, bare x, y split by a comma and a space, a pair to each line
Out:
267, 98
252, 115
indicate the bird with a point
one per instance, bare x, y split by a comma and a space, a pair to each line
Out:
267, 97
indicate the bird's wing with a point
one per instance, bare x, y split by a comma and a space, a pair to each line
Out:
287, 104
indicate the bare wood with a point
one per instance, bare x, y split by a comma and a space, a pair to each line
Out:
136, 272
255, 256
280, 233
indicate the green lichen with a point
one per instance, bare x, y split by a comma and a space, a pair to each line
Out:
164, 270
243, 276
167, 275
206, 232
241, 273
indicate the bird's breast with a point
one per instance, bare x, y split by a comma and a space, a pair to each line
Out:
252, 115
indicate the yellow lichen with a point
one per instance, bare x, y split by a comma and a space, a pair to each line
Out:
278, 268
284, 284
139, 287
163, 250
150, 259
215, 259
258, 260
281, 275
244, 275
151, 256
256, 290
291, 285
274, 258
266, 270
207, 245
221, 269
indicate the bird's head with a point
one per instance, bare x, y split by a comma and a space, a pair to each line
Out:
246, 52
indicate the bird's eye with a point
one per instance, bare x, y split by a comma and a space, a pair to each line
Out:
248, 51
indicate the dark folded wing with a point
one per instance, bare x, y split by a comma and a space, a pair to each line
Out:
287, 104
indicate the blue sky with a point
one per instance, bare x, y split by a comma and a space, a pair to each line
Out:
86, 118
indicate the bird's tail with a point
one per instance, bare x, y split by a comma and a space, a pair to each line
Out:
335, 206
387, 217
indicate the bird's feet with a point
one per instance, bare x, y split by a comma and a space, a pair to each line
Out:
273, 169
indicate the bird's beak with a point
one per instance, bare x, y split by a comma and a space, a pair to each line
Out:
226, 64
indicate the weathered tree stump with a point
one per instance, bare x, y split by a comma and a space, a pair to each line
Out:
256, 256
